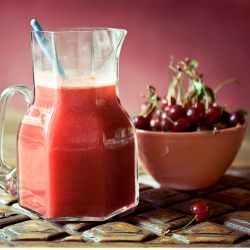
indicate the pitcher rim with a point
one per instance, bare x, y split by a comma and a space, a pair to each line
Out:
79, 29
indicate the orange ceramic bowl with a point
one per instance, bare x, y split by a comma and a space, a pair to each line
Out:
188, 160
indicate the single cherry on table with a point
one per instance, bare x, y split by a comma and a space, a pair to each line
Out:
199, 211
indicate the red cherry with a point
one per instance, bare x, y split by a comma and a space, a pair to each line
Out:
181, 125
155, 124
212, 104
144, 106
187, 106
219, 126
164, 103
158, 114
225, 116
175, 112
172, 100
194, 115
167, 108
150, 114
213, 115
201, 107
200, 211
141, 122
165, 123
236, 118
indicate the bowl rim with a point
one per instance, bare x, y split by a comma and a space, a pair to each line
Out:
194, 133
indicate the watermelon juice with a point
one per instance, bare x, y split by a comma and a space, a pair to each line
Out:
76, 154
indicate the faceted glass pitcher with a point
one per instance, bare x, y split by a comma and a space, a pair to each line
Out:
77, 153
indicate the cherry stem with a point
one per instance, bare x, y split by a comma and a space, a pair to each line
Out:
148, 109
169, 119
185, 226
187, 69
224, 83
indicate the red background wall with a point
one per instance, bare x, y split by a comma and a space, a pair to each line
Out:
215, 32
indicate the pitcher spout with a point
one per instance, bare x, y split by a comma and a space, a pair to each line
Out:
119, 36
88, 56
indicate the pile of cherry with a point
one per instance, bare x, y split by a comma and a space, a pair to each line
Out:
176, 118
187, 110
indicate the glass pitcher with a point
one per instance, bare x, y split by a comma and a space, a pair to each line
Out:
77, 153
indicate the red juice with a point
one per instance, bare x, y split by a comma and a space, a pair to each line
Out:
76, 154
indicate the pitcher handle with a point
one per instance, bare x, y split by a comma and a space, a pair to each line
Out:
8, 173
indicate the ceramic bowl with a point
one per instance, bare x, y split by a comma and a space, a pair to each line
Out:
189, 160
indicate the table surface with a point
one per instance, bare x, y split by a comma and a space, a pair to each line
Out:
148, 225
